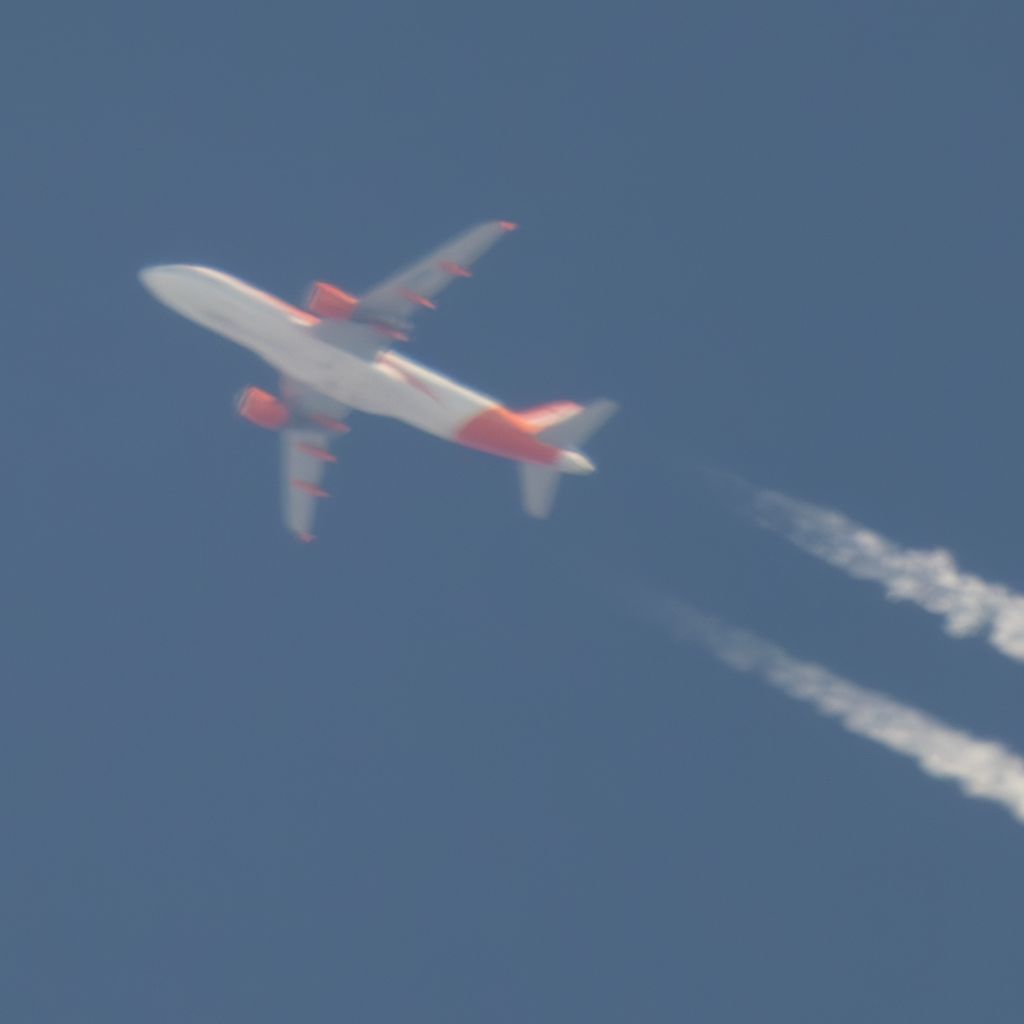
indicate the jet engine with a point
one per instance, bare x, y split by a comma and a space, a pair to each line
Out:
330, 303
263, 409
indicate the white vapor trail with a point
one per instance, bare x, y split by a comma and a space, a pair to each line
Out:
983, 769
930, 579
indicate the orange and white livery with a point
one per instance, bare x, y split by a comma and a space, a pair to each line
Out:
337, 355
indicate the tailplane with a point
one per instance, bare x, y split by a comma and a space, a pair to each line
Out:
568, 426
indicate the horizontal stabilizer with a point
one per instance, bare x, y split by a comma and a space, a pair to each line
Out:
539, 485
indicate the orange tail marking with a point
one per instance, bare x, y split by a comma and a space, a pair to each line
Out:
543, 416
501, 432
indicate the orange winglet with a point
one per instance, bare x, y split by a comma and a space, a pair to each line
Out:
317, 453
420, 300
454, 269
330, 424
508, 225
308, 488
306, 538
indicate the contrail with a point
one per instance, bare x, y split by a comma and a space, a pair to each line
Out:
930, 579
983, 769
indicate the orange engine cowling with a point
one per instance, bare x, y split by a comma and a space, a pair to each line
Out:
330, 303
263, 409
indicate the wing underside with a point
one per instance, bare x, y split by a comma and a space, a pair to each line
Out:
395, 301
304, 458
306, 453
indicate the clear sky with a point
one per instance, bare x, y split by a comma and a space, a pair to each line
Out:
433, 768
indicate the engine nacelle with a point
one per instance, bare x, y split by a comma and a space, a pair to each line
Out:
262, 408
330, 303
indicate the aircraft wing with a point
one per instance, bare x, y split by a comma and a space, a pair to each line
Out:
302, 476
306, 453
393, 302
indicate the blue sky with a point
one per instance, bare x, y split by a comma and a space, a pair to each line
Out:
433, 767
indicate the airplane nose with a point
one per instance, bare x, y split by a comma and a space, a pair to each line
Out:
173, 284
155, 279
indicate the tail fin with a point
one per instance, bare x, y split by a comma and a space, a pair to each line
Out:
570, 430
543, 416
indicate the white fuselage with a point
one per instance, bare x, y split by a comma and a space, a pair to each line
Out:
293, 342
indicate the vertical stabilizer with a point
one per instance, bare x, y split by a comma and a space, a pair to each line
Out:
574, 430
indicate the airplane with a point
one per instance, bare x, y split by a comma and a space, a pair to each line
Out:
337, 355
